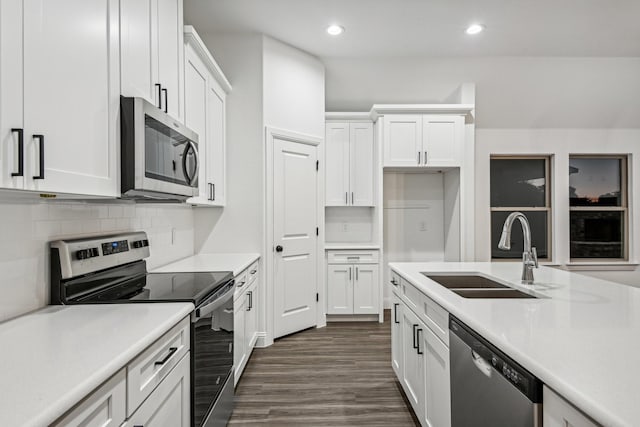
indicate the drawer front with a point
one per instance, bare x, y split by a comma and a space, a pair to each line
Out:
434, 316
148, 370
252, 273
352, 257
395, 283
105, 407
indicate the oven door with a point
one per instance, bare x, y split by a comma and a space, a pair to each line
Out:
212, 359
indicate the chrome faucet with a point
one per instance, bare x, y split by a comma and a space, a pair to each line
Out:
530, 255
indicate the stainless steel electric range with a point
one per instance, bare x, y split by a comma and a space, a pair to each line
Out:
112, 269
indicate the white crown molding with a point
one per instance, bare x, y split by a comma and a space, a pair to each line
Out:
348, 115
379, 110
192, 38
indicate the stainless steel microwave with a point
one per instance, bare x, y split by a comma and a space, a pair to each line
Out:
159, 156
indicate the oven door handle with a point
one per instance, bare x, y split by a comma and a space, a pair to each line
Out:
214, 305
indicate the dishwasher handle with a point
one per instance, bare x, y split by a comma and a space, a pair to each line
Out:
482, 365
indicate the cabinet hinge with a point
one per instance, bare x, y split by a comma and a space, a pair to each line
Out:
317, 297
317, 231
317, 164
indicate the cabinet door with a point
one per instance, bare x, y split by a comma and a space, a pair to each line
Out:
105, 407
72, 95
239, 336
365, 289
215, 162
170, 55
442, 144
402, 143
11, 86
557, 412
169, 405
138, 49
361, 160
196, 78
340, 289
396, 336
413, 362
437, 402
250, 320
337, 164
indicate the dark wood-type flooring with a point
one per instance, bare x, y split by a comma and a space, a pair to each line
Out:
340, 375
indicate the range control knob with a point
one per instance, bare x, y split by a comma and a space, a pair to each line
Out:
87, 253
494, 361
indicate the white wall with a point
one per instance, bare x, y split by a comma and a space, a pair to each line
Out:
512, 92
26, 229
294, 92
559, 143
239, 226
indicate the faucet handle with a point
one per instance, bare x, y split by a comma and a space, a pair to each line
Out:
534, 256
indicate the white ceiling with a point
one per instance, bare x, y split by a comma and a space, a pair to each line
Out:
422, 28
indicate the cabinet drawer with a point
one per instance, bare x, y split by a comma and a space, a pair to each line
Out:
352, 257
434, 316
241, 284
105, 407
252, 272
557, 412
148, 370
395, 283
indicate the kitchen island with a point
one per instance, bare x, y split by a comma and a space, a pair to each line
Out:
579, 336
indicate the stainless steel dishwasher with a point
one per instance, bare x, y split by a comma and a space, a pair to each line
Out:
487, 387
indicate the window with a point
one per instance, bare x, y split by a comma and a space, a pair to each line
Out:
598, 207
520, 184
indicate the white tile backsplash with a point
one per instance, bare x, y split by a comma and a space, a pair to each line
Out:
26, 229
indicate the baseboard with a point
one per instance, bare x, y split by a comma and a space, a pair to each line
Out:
261, 342
352, 318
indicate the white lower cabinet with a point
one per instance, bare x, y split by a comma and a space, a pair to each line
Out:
420, 359
396, 335
245, 317
153, 390
353, 285
169, 405
105, 407
557, 412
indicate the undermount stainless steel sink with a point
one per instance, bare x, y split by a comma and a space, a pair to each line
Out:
467, 281
476, 286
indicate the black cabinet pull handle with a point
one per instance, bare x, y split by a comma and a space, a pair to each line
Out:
414, 336
41, 139
418, 336
20, 133
395, 312
279, 248
213, 191
166, 100
159, 87
167, 357
251, 300
249, 304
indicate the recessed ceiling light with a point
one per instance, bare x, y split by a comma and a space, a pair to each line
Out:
474, 29
335, 30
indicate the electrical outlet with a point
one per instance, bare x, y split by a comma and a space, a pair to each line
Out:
423, 225
345, 226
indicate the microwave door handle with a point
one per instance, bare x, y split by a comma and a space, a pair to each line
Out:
185, 169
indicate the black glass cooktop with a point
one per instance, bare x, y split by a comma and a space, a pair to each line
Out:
132, 283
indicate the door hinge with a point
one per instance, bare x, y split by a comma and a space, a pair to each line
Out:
317, 231
317, 164
317, 297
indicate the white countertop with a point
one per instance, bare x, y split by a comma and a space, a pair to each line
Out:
356, 246
582, 340
211, 262
52, 358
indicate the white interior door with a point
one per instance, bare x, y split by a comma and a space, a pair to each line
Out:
295, 221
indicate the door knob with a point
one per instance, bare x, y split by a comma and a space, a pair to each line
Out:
278, 248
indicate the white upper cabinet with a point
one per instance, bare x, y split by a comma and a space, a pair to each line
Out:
349, 164
416, 140
59, 94
152, 52
337, 164
402, 140
206, 89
